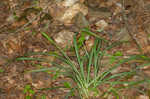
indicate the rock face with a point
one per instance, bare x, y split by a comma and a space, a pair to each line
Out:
64, 38
65, 11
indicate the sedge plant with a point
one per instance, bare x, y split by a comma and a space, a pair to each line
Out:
86, 72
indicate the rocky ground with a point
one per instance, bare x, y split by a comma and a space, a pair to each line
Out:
23, 21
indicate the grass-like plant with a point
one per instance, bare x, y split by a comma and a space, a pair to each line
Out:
86, 70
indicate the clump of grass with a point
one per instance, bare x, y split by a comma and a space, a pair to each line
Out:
85, 72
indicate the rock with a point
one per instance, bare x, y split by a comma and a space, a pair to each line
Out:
66, 10
101, 24
64, 38
72, 11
